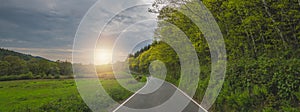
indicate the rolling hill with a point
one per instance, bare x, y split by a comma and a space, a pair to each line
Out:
27, 57
16, 66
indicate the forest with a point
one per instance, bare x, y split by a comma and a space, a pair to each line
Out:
17, 66
262, 46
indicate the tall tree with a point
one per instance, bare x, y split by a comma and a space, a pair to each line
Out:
17, 65
4, 68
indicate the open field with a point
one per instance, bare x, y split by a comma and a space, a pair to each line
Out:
51, 95
39, 95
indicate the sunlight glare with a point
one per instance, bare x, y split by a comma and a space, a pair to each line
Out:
103, 56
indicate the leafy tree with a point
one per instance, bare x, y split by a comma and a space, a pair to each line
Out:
262, 43
65, 67
4, 68
17, 65
14, 66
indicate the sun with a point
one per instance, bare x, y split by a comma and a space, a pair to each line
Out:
103, 56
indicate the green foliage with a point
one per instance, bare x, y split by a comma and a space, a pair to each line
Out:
26, 57
17, 66
65, 68
262, 43
4, 68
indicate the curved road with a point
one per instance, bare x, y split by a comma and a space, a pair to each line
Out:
159, 96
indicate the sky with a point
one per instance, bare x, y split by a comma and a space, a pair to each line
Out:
47, 27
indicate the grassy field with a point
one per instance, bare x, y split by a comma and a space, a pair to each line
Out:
38, 95
51, 95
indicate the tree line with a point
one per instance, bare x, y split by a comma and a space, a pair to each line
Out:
262, 43
15, 66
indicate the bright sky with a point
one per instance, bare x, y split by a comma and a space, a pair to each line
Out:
103, 56
47, 27
122, 28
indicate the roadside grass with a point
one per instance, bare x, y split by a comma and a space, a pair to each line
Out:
54, 95
116, 91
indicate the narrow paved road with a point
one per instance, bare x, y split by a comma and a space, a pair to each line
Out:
159, 96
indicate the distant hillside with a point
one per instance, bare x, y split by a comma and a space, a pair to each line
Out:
16, 66
26, 57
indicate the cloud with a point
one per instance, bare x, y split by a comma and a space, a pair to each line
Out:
41, 23
51, 24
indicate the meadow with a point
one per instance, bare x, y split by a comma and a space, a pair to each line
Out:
36, 95
51, 95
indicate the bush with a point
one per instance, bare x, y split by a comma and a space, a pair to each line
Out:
25, 76
37, 77
8, 78
56, 77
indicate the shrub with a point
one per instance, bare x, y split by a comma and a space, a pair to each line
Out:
25, 76
37, 77
56, 77
9, 77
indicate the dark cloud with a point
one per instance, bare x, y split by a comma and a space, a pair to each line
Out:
40, 23
41, 27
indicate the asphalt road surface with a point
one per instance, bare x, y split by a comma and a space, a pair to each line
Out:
159, 96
